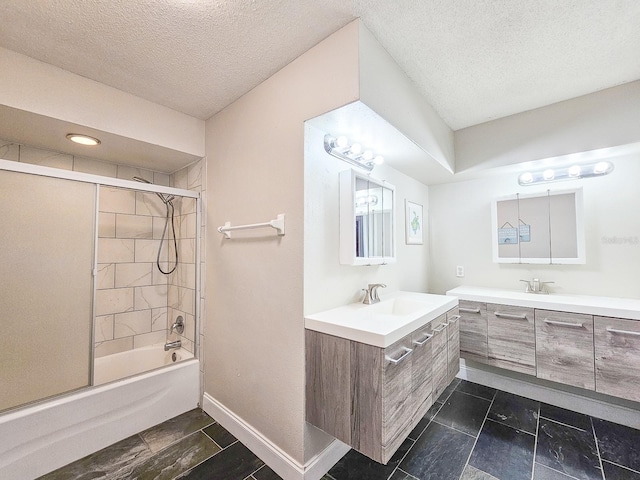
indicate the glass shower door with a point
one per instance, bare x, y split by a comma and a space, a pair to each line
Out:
47, 237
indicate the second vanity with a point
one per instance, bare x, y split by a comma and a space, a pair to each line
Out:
583, 341
373, 371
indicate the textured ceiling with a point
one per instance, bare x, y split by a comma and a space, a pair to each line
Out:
474, 60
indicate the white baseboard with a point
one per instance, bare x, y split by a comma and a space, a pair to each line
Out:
533, 388
278, 460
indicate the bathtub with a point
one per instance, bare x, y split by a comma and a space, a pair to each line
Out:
37, 439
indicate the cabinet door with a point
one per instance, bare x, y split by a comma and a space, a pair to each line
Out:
473, 330
564, 348
440, 356
617, 345
421, 366
511, 340
396, 392
453, 344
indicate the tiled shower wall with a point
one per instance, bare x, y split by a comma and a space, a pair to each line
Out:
130, 312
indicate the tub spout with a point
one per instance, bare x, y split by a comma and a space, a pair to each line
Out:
175, 344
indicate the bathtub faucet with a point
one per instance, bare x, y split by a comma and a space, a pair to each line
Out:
175, 344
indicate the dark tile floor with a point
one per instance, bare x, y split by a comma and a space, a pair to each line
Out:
472, 432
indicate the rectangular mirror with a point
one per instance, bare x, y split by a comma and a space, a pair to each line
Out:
367, 219
539, 228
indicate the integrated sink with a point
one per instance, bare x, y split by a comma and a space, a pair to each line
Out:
381, 324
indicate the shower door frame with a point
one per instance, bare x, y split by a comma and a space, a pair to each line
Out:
98, 181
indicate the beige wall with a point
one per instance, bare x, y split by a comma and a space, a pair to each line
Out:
254, 352
327, 283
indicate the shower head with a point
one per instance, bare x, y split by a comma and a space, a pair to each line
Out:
165, 200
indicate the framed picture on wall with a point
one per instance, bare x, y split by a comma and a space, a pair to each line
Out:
414, 222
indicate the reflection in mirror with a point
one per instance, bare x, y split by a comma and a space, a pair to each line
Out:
366, 220
539, 228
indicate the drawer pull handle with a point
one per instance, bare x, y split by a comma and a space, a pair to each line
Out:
564, 324
454, 319
422, 342
441, 328
469, 310
511, 316
623, 332
395, 361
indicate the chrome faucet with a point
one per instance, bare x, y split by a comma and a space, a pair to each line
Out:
536, 286
371, 293
178, 325
175, 344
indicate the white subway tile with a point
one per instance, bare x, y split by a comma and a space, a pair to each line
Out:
147, 250
179, 179
182, 299
159, 319
134, 226
148, 203
103, 328
188, 226
133, 274
46, 158
117, 300
105, 276
159, 278
186, 248
154, 296
194, 175
117, 200
152, 338
132, 323
158, 227
95, 167
106, 225
113, 346
161, 179
127, 173
115, 250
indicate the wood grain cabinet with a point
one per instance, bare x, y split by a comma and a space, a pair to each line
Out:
473, 330
617, 355
564, 348
371, 397
511, 338
453, 344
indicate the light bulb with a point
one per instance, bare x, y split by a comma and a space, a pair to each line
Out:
601, 167
83, 139
526, 177
342, 141
548, 174
355, 149
367, 155
378, 160
574, 170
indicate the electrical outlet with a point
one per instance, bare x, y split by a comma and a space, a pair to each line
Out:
459, 271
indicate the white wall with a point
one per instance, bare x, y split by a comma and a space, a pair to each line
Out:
327, 283
254, 351
460, 233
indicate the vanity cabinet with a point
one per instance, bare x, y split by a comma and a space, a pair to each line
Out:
371, 397
564, 348
453, 344
473, 330
511, 338
617, 353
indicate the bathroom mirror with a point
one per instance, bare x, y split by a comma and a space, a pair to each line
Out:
367, 217
539, 228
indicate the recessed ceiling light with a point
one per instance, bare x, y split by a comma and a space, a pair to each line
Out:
83, 139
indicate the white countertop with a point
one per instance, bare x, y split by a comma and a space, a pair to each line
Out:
592, 305
384, 323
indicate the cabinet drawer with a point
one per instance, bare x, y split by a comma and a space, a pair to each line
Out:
473, 330
564, 348
511, 339
440, 373
617, 350
453, 345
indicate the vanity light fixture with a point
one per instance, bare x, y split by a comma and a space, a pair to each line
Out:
573, 172
83, 139
354, 154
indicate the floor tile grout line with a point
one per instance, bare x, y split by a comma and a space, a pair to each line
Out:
535, 440
595, 439
474, 396
406, 473
403, 457
565, 424
478, 436
456, 430
558, 471
622, 466
511, 426
429, 422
